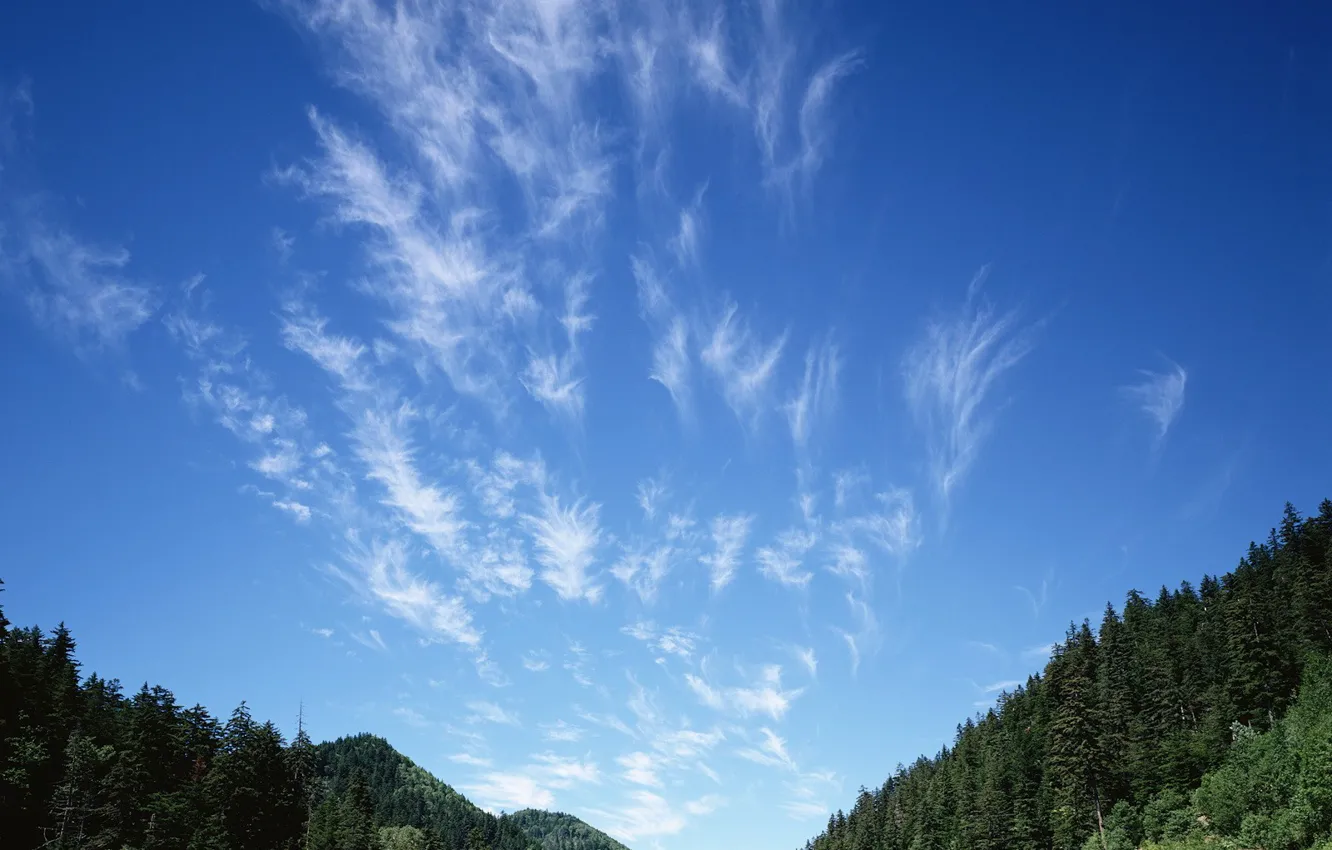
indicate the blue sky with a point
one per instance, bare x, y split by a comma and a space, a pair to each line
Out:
677, 417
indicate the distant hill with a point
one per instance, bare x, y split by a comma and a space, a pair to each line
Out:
84, 765
559, 831
403, 794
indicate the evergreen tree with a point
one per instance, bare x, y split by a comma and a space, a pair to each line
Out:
1074, 762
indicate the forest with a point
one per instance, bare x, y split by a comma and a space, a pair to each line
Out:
85, 767
1199, 719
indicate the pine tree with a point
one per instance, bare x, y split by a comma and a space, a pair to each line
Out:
75, 799
1114, 704
1074, 760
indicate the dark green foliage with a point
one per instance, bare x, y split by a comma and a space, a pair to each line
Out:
402, 794
83, 767
558, 831
1172, 725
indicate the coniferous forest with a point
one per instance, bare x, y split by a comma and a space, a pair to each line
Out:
83, 766
1198, 719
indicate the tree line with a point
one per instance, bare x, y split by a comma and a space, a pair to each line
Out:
83, 766
1202, 718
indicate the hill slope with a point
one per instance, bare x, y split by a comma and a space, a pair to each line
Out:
403, 794
83, 765
1164, 725
559, 831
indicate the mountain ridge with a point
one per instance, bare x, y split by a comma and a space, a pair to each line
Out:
83, 765
1202, 719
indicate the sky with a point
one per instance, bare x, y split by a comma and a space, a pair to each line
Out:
674, 414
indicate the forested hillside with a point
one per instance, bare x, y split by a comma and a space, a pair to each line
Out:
1202, 718
84, 767
399, 793
558, 831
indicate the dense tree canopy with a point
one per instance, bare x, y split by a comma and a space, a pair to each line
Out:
83, 766
1203, 717
558, 831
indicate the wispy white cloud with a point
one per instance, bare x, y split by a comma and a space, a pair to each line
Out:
78, 290
510, 792
743, 364
817, 394
640, 768
446, 291
532, 786
646, 815
1039, 653
711, 64
305, 331
671, 360
411, 717
566, 539
564, 771
814, 124
671, 641
950, 374
767, 88
371, 640
805, 809
677, 641
608, 721
998, 687
553, 379
489, 712
1036, 598
765, 695
847, 484
650, 494
705, 805
850, 563
470, 760
781, 562
894, 527
1160, 395
323, 633
298, 511
863, 637
805, 655
536, 665
380, 573
494, 486
684, 244
561, 731
770, 752
643, 571
576, 664
385, 447
728, 538
283, 243
807, 794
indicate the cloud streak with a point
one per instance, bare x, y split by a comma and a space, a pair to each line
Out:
728, 538
817, 395
950, 374
79, 291
742, 363
1159, 395
566, 539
